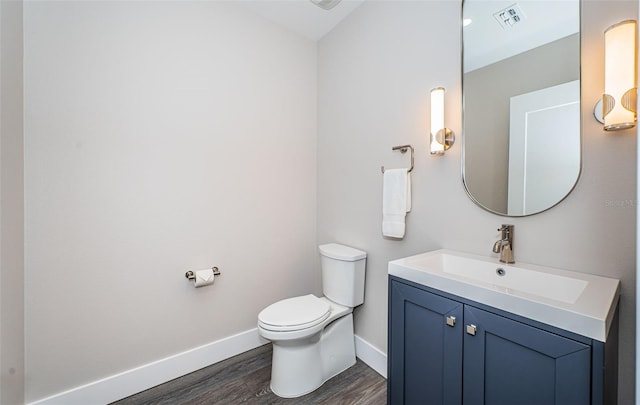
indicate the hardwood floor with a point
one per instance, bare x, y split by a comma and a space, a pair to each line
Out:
244, 379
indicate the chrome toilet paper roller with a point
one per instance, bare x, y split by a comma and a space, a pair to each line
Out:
202, 277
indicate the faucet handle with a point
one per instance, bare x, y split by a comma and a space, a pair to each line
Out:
507, 231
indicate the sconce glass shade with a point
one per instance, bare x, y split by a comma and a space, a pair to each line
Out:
620, 89
441, 138
437, 120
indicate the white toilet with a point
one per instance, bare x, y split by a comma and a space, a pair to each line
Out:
313, 337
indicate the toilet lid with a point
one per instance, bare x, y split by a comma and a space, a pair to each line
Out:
294, 313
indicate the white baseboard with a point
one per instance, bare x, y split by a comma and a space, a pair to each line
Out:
372, 356
149, 375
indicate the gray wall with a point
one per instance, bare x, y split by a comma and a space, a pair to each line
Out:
375, 73
486, 112
11, 206
160, 136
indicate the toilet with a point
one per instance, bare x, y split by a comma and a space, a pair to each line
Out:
312, 337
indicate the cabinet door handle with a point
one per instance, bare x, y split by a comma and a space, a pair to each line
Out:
451, 321
471, 329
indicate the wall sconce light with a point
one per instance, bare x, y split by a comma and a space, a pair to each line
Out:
441, 137
617, 108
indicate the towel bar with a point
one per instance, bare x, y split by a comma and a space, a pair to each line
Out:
403, 149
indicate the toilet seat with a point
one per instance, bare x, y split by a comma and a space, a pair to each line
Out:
293, 314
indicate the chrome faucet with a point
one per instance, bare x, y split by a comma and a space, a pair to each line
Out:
504, 246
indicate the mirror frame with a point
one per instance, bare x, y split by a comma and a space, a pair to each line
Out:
464, 132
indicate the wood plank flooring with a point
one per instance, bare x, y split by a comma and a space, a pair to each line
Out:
244, 379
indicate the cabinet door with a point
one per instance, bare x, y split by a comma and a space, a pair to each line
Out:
507, 362
425, 347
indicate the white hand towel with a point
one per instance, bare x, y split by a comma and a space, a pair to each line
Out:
396, 202
408, 191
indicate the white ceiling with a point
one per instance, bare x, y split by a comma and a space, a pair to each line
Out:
485, 41
301, 16
544, 21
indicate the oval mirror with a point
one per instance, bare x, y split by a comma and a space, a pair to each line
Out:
521, 103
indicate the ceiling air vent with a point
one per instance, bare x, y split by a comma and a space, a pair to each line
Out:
326, 4
509, 16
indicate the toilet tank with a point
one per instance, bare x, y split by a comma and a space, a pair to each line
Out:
343, 274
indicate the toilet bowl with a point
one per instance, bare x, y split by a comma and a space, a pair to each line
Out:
313, 337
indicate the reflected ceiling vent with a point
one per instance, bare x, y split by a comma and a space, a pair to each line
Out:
326, 4
509, 16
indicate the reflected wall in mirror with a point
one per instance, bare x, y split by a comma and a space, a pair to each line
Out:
521, 103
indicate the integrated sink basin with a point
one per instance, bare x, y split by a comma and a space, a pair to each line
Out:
581, 303
510, 279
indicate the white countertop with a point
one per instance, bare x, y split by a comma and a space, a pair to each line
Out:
581, 303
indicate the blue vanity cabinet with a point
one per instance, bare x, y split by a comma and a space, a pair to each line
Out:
425, 361
508, 362
486, 356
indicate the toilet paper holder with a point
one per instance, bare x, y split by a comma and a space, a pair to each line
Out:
191, 275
